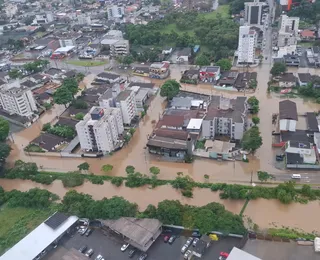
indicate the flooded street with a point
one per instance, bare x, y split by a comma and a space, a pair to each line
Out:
265, 213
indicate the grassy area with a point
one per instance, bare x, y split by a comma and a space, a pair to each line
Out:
223, 10
289, 233
86, 63
16, 223
306, 44
34, 148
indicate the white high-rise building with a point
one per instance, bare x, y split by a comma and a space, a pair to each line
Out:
126, 101
289, 24
100, 129
16, 99
246, 45
115, 11
253, 12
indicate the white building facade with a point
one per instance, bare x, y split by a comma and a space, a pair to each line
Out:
246, 45
253, 12
84, 19
127, 103
17, 100
115, 11
100, 129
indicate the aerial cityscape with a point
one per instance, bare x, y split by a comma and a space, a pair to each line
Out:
160, 129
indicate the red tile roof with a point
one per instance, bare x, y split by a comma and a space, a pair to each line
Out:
307, 33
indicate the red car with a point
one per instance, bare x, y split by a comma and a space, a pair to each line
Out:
166, 239
224, 254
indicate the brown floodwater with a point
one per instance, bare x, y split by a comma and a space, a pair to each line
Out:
265, 213
261, 211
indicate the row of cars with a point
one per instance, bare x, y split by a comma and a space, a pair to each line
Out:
133, 251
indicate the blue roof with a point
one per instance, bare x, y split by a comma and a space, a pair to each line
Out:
196, 48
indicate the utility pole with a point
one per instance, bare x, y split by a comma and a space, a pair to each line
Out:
251, 177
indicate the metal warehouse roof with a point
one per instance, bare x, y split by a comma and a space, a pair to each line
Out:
40, 238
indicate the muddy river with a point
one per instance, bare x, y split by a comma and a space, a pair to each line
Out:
265, 213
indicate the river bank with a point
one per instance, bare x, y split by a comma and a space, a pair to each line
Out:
265, 213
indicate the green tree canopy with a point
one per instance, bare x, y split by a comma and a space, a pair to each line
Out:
154, 170
5, 150
84, 166
170, 89
79, 77
225, 64
264, 176
15, 74
278, 68
203, 60
71, 84
254, 104
62, 96
4, 129
252, 139
256, 120
79, 116
130, 169
107, 168
170, 212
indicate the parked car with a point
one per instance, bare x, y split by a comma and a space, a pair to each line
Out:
172, 239
189, 241
196, 234
124, 247
143, 256
195, 241
279, 157
184, 249
166, 238
89, 231
89, 252
99, 257
132, 252
187, 254
83, 249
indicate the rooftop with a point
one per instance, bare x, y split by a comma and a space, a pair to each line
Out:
227, 108
67, 122
140, 232
171, 121
141, 84
238, 254
48, 141
210, 69
298, 135
169, 143
35, 242
287, 77
195, 124
299, 144
106, 75
312, 122
305, 77
171, 133
124, 95
288, 110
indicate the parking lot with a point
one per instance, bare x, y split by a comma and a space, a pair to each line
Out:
109, 247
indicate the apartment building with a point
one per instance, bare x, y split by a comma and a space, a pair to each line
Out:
127, 103
247, 45
253, 12
115, 12
16, 99
226, 117
100, 129
289, 24
43, 18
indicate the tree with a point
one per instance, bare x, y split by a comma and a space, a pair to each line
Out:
202, 60
107, 168
79, 116
79, 104
84, 166
278, 68
127, 60
224, 64
264, 176
254, 104
71, 84
154, 170
206, 176
46, 127
62, 96
79, 77
251, 140
256, 120
15, 74
130, 169
205, 221
253, 84
170, 89
5, 150
4, 129
170, 212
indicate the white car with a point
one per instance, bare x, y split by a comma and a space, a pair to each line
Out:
187, 254
99, 257
124, 247
184, 249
